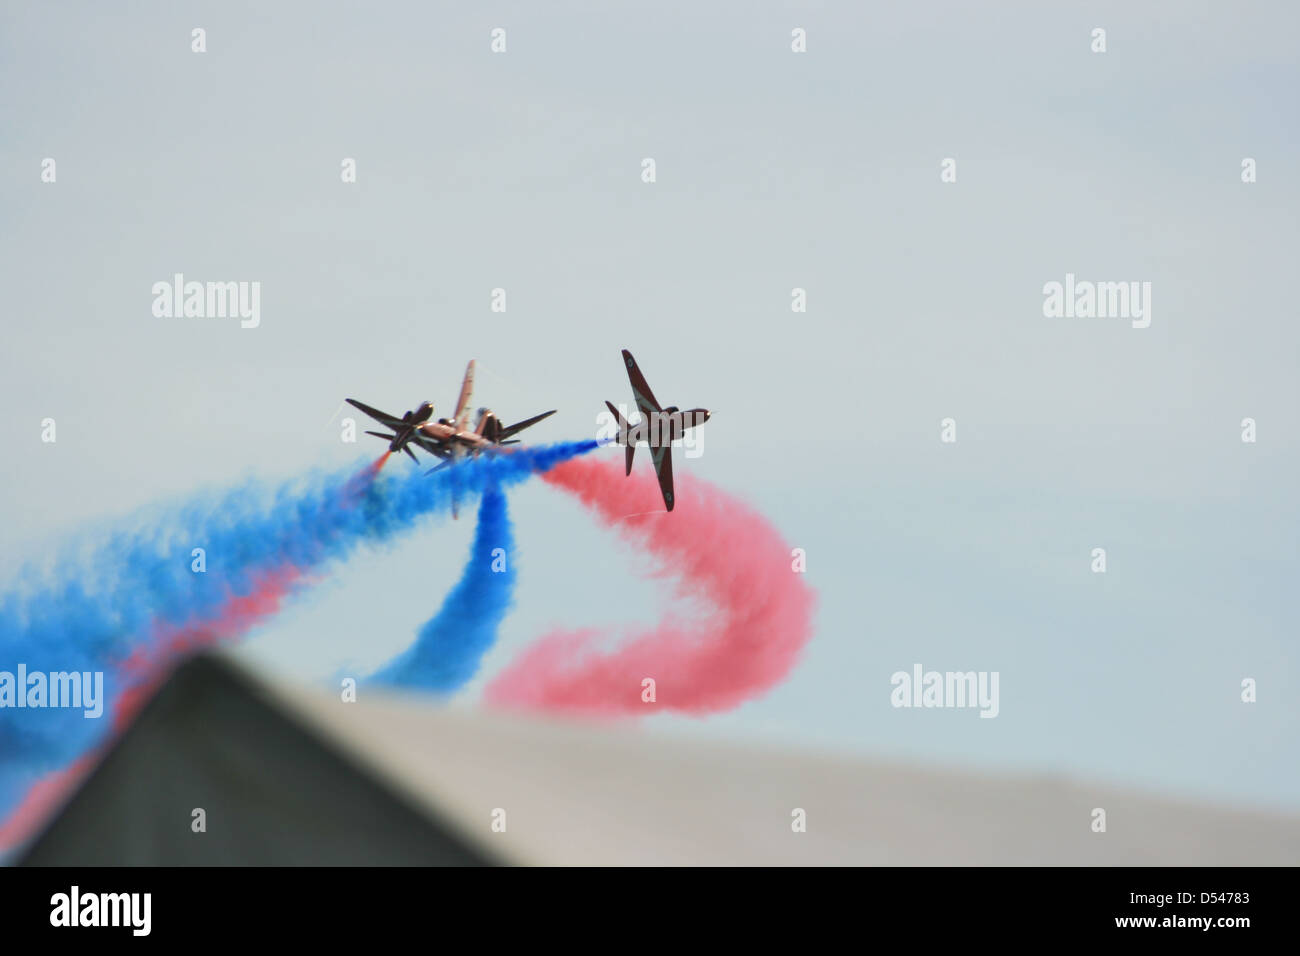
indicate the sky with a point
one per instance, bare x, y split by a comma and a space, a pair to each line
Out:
775, 170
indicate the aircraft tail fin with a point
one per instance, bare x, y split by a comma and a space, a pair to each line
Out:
461, 418
625, 436
623, 426
489, 426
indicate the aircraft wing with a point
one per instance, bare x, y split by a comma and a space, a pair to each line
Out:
461, 418
376, 414
517, 427
645, 399
663, 459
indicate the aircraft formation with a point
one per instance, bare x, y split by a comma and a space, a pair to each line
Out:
455, 439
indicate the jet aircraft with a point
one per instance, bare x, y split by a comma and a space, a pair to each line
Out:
448, 439
659, 428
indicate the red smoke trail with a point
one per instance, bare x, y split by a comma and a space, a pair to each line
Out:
357, 485
714, 547
376, 465
45, 794
237, 616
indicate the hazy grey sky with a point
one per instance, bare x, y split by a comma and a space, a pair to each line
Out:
775, 170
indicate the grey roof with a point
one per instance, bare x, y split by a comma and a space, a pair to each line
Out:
299, 776
273, 790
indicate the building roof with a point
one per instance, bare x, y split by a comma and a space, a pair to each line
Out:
294, 776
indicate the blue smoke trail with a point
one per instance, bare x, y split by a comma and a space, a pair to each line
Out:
450, 646
102, 601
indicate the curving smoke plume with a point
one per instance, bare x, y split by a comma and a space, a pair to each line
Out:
711, 547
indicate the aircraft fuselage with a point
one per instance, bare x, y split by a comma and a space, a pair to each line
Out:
663, 428
413, 420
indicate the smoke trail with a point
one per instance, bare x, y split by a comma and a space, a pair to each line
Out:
140, 674
712, 547
450, 646
135, 597
446, 655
